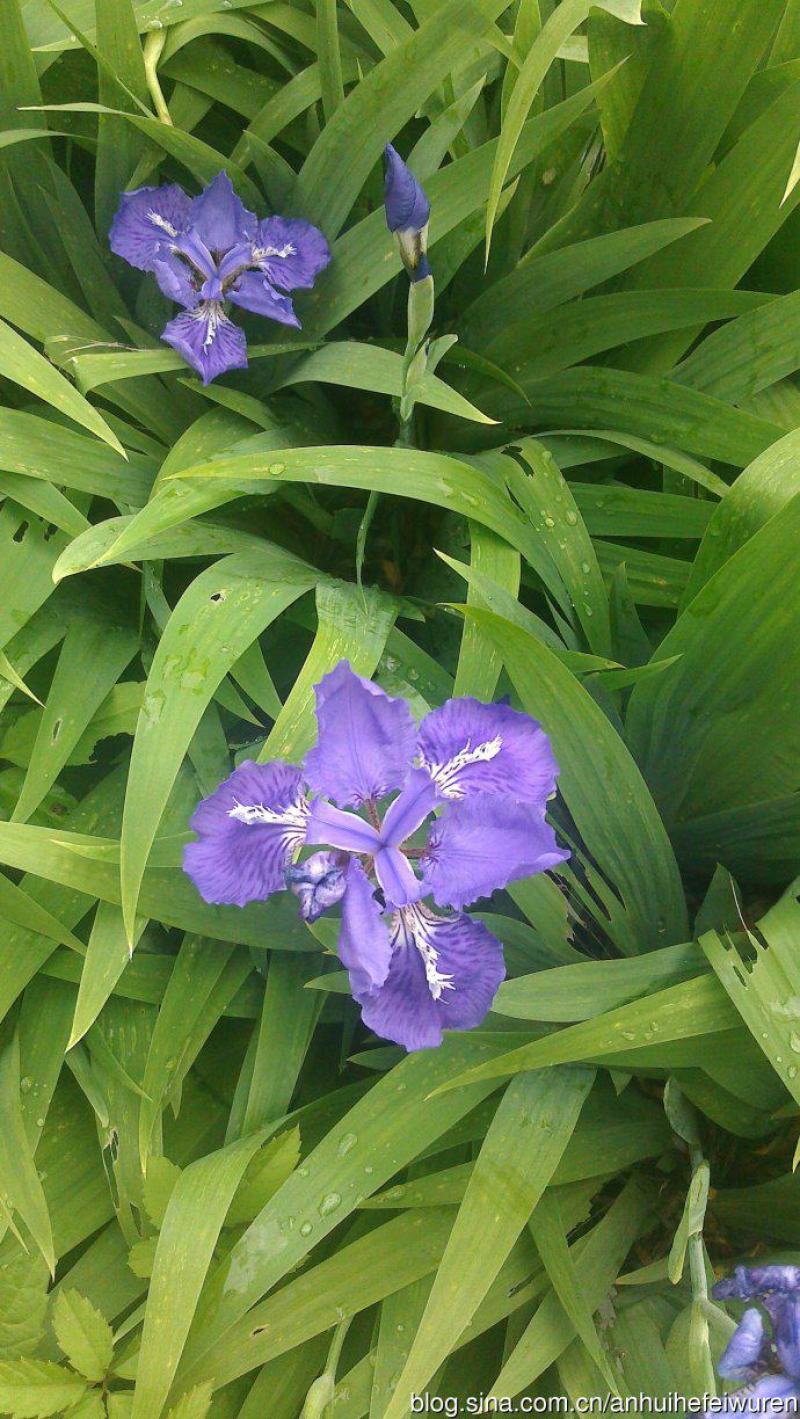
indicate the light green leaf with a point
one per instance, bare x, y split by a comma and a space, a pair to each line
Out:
215, 621
192, 1223
33, 1389
83, 1334
194, 1405
19, 1178
523, 1146
23, 365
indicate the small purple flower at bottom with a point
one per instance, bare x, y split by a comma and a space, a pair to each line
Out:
486, 770
766, 1359
209, 251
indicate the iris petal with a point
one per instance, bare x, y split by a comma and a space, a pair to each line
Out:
483, 843
290, 252
248, 831
219, 218
207, 340
339, 829
471, 747
364, 945
365, 742
444, 974
746, 1349
252, 291
145, 219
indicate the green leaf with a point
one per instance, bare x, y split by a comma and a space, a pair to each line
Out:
693, 1008
23, 365
23, 1304
215, 621
192, 1223
160, 1180
547, 1229
384, 1131
19, 1178
83, 1334
603, 790
265, 1173
562, 22
194, 1405
692, 1219
692, 728
598, 1260
386, 98
590, 988
33, 1389
523, 1146
479, 664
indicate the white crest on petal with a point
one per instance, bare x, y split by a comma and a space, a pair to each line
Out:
293, 819
159, 221
415, 926
445, 774
261, 253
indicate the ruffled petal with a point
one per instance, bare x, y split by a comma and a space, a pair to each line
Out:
144, 220
767, 1396
484, 842
252, 291
471, 747
747, 1348
207, 340
318, 883
396, 877
364, 946
219, 218
248, 831
290, 252
365, 739
335, 828
444, 975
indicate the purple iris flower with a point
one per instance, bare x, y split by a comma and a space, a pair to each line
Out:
486, 771
208, 250
407, 213
766, 1359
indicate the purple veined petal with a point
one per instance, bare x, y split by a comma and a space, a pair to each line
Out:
749, 1281
252, 291
365, 740
146, 218
785, 1313
219, 218
747, 1348
364, 946
444, 975
774, 1394
318, 883
396, 877
484, 842
335, 828
471, 747
407, 207
290, 252
174, 278
248, 829
207, 340
409, 810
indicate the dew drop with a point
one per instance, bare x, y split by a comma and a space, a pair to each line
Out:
628, 1034
571, 517
347, 1141
306, 1229
25, 1084
549, 522
369, 1169
794, 1041
585, 568
792, 1071
328, 1204
276, 469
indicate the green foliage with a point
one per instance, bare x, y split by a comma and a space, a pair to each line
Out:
220, 1197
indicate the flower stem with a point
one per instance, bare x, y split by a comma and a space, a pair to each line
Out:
153, 49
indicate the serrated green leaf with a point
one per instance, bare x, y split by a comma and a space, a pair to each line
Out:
33, 1389
83, 1335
